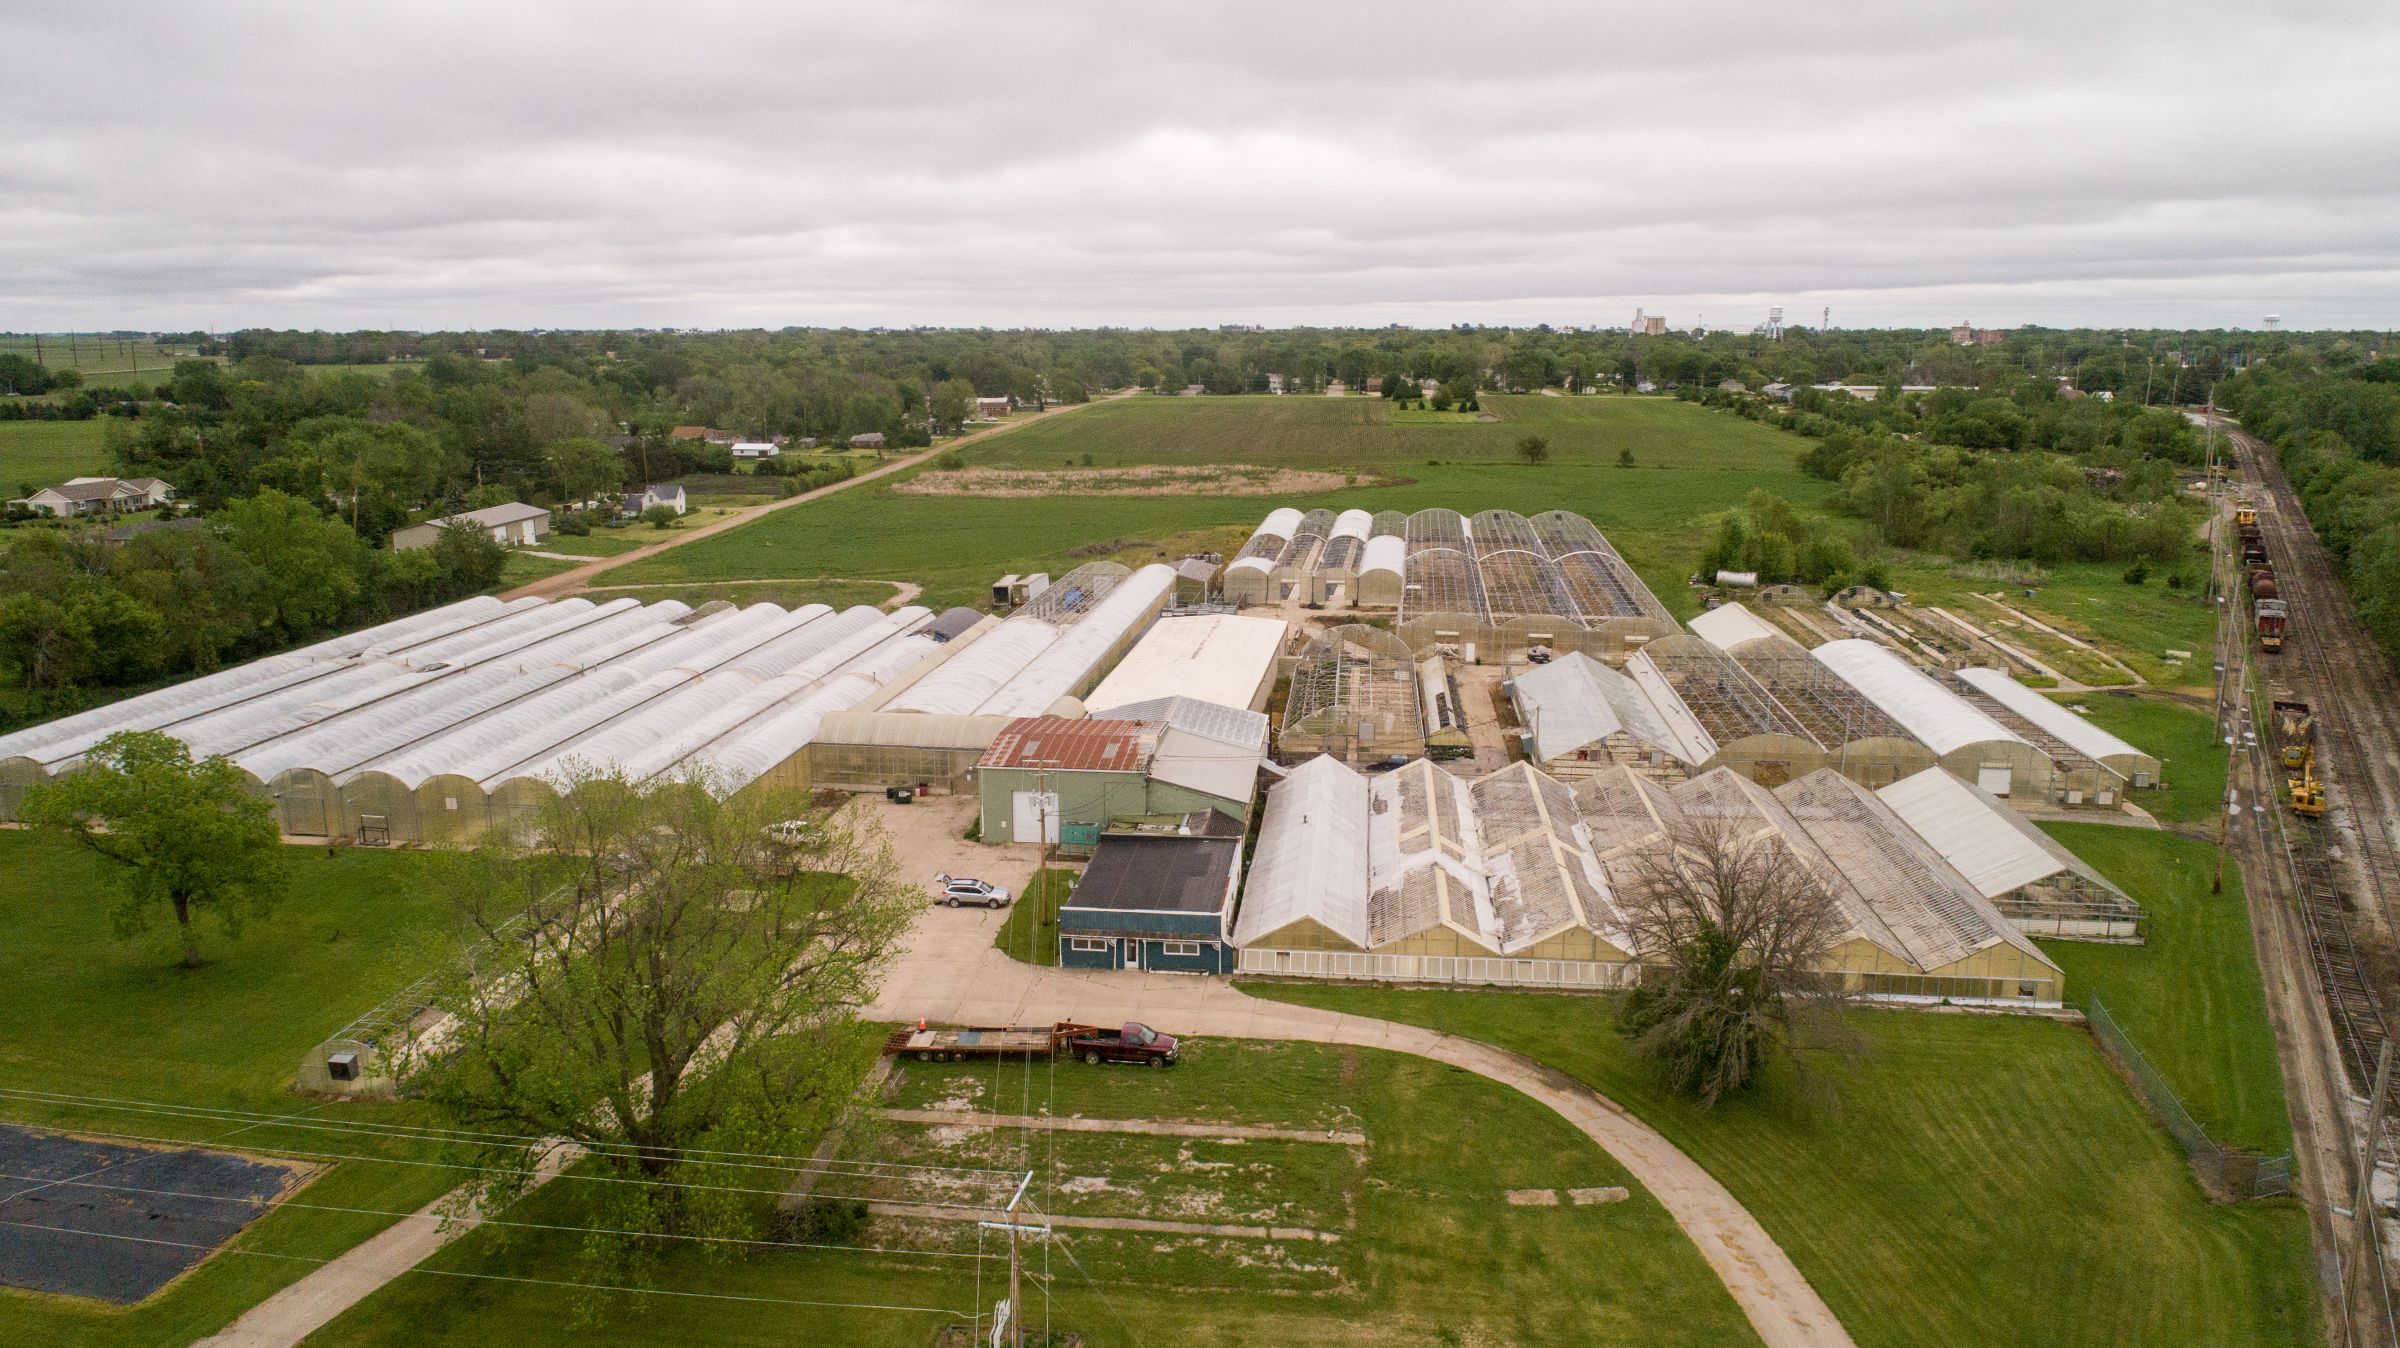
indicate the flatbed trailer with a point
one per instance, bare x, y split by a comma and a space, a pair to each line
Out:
954, 1044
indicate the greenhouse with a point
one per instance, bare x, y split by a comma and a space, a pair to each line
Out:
1335, 581
1966, 741
1581, 716
1353, 696
1862, 741
1723, 709
1514, 878
2029, 708
1729, 625
1247, 577
1296, 565
432, 729
2028, 875
1382, 561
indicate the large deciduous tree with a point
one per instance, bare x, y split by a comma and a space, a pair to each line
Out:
664, 976
186, 835
1736, 932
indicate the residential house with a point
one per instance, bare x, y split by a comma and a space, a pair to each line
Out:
512, 524
98, 496
638, 503
691, 433
993, 407
126, 533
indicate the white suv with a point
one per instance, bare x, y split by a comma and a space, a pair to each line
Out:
961, 892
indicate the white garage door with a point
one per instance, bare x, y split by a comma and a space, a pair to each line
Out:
1994, 780
1033, 811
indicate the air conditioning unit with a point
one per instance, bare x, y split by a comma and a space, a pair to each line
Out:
342, 1066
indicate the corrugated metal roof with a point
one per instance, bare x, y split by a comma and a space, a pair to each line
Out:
1072, 746
1942, 720
2086, 738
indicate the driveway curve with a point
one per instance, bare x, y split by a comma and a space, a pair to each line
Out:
951, 973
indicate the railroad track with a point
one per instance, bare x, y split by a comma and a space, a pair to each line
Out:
2329, 661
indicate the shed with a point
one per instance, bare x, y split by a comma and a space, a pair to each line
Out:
513, 523
1195, 577
1067, 779
1162, 902
868, 440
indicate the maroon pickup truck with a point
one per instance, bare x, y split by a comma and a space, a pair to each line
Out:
1136, 1042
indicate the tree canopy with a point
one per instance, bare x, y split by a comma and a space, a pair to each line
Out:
186, 836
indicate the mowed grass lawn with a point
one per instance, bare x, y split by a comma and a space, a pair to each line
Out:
1970, 1180
1430, 1252
1690, 463
2190, 999
84, 1013
36, 454
2138, 624
2182, 734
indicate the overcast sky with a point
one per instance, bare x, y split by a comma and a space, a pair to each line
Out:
504, 163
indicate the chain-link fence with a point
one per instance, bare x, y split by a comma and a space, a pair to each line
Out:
2228, 1173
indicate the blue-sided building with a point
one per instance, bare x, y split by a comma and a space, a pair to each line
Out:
1153, 901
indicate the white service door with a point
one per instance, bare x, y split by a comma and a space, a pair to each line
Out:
1033, 811
1994, 780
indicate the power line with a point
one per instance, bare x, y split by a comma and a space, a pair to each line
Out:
463, 1166
499, 1277
423, 1133
494, 1221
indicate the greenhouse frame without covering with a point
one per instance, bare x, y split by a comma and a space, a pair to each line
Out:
1353, 696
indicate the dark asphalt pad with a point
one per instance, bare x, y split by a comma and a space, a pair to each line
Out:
110, 1244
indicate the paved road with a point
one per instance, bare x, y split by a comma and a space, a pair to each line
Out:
583, 577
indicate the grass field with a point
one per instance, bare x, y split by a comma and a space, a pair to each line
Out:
2190, 999
1691, 463
1430, 1252
44, 453
521, 567
84, 1013
1971, 1179
2185, 739
2138, 624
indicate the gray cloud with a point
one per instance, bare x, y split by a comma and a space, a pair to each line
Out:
495, 164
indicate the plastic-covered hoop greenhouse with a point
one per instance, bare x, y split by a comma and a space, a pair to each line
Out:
1335, 583
1247, 577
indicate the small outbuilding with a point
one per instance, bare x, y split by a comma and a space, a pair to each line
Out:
870, 440
1580, 716
1162, 902
512, 524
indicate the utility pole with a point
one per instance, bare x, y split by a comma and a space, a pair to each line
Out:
1015, 1313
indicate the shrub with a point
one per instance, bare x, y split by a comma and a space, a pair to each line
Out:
952, 461
2137, 573
574, 524
819, 1221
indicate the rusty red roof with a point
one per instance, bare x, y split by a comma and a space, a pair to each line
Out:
1072, 746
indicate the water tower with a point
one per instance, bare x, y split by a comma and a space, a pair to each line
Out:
1775, 323
2273, 321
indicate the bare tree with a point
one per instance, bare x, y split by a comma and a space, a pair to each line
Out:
664, 978
1736, 933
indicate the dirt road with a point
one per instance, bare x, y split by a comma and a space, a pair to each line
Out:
585, 576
